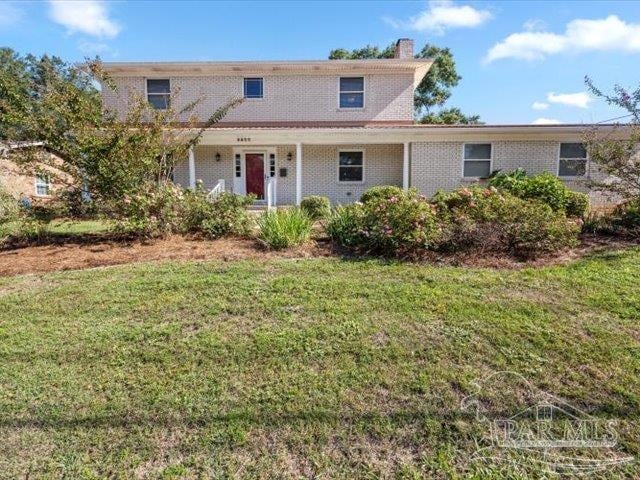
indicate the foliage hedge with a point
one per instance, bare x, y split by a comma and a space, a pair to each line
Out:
407, 224
166, 208
544, 187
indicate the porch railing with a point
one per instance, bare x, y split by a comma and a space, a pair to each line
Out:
271, 192
217, 190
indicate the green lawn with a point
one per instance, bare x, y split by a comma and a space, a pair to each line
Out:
313, 368
78, 227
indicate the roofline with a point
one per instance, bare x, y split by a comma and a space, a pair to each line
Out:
417, 66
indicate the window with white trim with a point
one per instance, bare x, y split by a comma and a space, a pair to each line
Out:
253, 88
476, 160
159, 93
351, 166
43, 185
573, 160
351, 92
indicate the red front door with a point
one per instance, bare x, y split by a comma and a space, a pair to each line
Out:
255, 174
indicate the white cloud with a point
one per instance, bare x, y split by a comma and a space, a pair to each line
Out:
95, 48
87, 16
539, 105
545, 121
9, 14
442, 15
580, 99
607, 34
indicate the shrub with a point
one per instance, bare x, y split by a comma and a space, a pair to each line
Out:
623, 220
544, 187
497, 220
228, 216
383, 192
167, 208
316, 207
401, 225
577, 204
10, 208
154, 211
284, 228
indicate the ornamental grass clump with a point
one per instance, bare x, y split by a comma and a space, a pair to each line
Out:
284, 228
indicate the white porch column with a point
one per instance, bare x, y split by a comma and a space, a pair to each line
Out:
298, 173
405, 166
192, 169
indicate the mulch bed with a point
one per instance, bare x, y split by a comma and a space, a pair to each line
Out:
92, 251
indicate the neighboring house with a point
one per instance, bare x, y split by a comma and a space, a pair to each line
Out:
19, 183
335, 128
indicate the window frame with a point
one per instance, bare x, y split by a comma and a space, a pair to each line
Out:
244, 88
586, 162
490, 159
146, 92
364, 95
42, 180
351, 150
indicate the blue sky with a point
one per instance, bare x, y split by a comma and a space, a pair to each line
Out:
521, 62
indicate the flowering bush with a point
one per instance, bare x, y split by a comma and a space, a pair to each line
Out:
491, 219
380, 192
167, 208
228, 216
400, 225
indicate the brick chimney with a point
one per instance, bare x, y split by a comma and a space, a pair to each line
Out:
404, 48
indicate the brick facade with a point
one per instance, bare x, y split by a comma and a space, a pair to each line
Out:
287, 98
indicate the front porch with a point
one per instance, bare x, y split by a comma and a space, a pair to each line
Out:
284, 174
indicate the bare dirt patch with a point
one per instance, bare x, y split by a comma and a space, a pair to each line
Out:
93, 251
97, 252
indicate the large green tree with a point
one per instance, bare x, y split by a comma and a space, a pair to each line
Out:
58, 104
434, 89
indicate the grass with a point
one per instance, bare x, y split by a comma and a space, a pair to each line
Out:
313, 368
78, 227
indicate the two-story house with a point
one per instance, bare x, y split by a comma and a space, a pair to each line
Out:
335, 128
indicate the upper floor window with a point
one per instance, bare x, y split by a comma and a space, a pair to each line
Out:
477, 160
253, 88
351, 92
573, 160
351, 166
158, 93
43, 185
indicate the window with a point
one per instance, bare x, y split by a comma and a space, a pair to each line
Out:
272, 164
351, 167
43, 185
158, 93
476, 160
351, 92
238, 166
573, 160
252, 88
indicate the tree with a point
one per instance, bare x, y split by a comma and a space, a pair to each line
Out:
616, 154
434, 89
49, 101
450, 116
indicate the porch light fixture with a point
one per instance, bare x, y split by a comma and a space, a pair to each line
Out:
289, 156
217, 156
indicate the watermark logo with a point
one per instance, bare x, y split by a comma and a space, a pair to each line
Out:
527, 426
